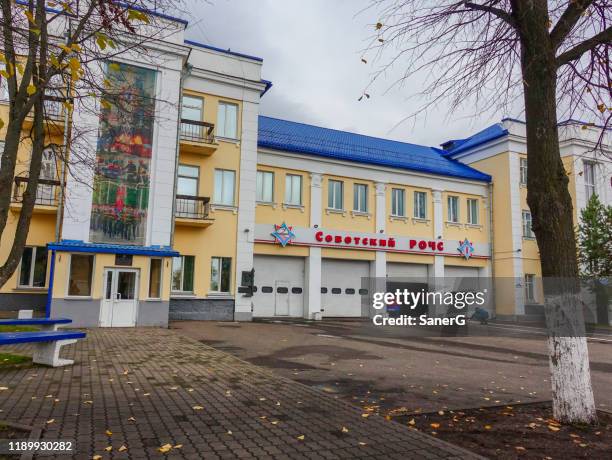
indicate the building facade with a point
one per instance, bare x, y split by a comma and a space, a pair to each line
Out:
200, 208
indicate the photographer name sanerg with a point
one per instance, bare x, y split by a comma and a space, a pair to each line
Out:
187, 202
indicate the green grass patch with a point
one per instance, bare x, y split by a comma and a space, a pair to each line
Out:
8, 360
17, 329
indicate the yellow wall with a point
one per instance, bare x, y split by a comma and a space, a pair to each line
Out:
102, 261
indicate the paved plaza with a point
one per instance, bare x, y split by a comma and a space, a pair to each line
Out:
150, 393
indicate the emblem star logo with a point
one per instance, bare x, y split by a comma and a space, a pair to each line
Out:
466, 249
283, 234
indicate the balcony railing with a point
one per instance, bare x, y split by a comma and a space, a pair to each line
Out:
47, 192
192, 207
53, 107
197, 131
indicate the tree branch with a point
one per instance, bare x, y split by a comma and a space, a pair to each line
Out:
568, 20
577, 51
501, 14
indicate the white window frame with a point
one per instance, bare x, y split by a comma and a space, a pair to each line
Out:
332, 195
529, 287
588, 176
291, 200
30, 284
418, 204
224, 134
523, 171
200, 108
219, 260
358, 205
220, 200
4, 95
395, 193
452, 210
473, 217
527, 222
260, 193
161, 278
182, 291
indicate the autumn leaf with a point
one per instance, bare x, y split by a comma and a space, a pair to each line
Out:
379, 25
31, 89
49, 422
197, 408
178, 446
411, 422
487, 427
108, 449
301, 437
520, 448
435, 426
122, 449
553, 428
96, 457
165, 448
345, 429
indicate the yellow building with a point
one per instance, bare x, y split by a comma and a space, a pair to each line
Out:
501, 151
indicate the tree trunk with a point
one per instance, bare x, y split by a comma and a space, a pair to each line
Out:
552, 214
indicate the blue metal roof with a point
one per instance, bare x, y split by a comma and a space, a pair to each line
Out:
482, 137
221, 50
80, 246
341, 145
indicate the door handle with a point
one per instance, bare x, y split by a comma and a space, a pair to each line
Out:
118, 296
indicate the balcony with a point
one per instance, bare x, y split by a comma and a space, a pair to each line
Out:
193, 211
47, 195
198, 137
54, 114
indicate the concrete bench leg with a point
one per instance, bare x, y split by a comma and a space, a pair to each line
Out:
47, 353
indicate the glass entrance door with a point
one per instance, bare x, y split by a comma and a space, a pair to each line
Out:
120, 302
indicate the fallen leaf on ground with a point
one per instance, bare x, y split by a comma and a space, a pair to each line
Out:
345, 429
197, 408
108, 449
96, 457
411, 422
109, 433
49, 422
365, 415
122, 448
520, 448
435, 426
362, 443
487, 427
131, 419
178, 446
553, 428
301, 437
165, 448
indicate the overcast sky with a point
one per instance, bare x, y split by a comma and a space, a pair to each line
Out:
312, 54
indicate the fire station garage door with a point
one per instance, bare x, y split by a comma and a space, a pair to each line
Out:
397, 270
340, 286
460, 272
280, 286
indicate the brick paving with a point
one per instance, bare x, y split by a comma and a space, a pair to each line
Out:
145, 388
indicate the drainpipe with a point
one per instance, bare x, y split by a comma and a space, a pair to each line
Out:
50, 291
491, 246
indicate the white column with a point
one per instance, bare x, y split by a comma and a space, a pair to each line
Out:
380, 264
517, 234
246, 207
438, 225
312, 299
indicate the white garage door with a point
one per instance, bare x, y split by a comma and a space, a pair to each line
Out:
462, 278
414, 271
280, 286
460, 272
340, 286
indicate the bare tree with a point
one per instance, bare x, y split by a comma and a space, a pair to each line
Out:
51, 53
555, 55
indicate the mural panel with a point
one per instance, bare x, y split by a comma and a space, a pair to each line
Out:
123, 157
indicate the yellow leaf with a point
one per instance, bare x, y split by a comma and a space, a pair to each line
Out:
178, 446
65, 48
96, 457
122, 448
301, 437
553, 428
411, 422
435, 426
31, 89
520, 448
109, 433
76, 47
487, 427
165, 448
114, 67
197, 408
345, 429
49, 422
365, 415
108, 449
2, 126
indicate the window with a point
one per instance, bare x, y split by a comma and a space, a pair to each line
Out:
182, 273
589, 179
360, 198
334, 195
527, 231
187, 180
224, 187
33, 271
472, 211
523, 171
155, 276
227, 120
265, 186
81, 271
293, 190
529, 287
192, 108
420, 205
398, 200
453, 208
45, 193
220, 274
